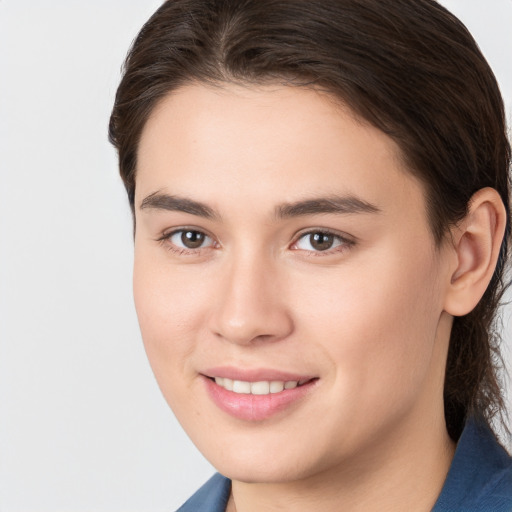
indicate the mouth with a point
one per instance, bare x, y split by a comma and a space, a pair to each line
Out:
261, 388
260, 396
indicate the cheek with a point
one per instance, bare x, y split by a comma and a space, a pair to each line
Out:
169, 311
378, 327
167, 297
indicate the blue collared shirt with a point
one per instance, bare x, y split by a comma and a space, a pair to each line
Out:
479, 480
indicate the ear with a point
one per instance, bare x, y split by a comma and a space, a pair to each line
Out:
477, 241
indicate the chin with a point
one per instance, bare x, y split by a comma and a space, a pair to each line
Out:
264, 462
261, 472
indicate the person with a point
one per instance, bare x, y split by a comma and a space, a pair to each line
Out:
320, 194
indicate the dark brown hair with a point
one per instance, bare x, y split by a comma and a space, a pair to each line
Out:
408, 67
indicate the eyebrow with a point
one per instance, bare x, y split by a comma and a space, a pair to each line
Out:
160, 201
322, 205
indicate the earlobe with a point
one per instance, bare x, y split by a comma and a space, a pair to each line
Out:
477, 241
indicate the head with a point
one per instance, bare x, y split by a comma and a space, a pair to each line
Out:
404, 75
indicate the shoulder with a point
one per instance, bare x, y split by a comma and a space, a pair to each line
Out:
211, 497
480, 477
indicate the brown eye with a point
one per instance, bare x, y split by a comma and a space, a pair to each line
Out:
319, 241
190, 239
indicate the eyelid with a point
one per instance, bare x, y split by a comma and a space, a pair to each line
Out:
165, 240
347, 241
166, 233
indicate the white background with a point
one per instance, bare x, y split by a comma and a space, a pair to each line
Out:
83, 426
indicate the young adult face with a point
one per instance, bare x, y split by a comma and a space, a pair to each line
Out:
281, 240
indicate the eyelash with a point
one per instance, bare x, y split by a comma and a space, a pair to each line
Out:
344, 242
165, 240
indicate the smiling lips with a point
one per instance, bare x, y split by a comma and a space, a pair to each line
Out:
256, 399
263, 387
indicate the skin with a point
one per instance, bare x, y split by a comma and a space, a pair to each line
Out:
370, 317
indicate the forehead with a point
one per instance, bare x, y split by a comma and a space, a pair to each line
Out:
267, 144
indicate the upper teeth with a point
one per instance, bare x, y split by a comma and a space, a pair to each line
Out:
263, 387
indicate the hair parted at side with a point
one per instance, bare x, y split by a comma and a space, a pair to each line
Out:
408, 67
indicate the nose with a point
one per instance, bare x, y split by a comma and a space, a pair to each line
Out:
250, 305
